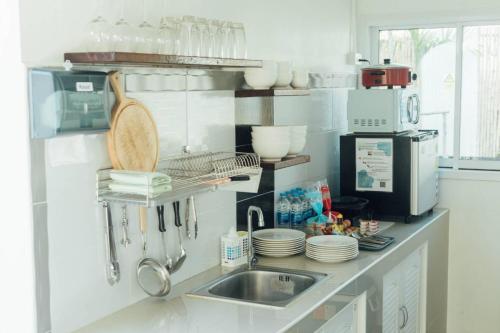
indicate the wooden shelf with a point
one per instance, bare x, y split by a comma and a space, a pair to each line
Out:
286, 162
271, 92
156, 60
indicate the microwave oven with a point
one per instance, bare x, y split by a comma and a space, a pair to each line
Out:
382, 110
397, 173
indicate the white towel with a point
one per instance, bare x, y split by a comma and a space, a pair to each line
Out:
151, 191
139, 178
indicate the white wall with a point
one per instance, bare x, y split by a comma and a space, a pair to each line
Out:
17, 300
473, 270
312, 34
75, 221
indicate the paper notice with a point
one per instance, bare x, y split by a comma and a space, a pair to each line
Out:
374, 164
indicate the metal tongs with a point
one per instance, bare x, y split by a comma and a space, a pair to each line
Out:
190, 213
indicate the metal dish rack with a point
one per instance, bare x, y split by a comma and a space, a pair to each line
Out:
191, 173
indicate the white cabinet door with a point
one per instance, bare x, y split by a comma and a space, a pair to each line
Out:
404, 289
351, 319
411, 285
392, 317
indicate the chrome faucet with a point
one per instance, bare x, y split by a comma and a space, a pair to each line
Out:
252, 260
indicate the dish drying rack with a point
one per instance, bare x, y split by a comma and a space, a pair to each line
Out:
191, 173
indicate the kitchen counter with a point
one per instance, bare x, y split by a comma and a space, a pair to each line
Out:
181, 313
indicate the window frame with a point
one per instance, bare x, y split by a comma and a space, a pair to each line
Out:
455, 162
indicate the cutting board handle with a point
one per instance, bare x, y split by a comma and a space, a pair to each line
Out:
143, 219
114, 79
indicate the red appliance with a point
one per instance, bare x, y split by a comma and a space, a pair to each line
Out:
387, 75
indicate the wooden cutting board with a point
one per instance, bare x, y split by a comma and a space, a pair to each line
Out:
133, 142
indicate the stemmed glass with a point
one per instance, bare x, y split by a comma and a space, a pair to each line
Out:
121, 33
98, 37
167, 36
146, 35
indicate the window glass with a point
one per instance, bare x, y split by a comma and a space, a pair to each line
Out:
480, 114
431, 53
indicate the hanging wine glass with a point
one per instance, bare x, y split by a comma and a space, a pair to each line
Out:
146, 36
98, 32
121, 33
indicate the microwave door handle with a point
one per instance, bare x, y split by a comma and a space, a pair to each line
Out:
409, 109
416, 119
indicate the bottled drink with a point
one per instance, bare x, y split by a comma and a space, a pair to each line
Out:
306, 206
296, 213
283, 219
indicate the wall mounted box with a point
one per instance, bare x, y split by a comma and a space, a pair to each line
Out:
68, 102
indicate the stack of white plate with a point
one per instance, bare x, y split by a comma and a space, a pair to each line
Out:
332, 248
278, 242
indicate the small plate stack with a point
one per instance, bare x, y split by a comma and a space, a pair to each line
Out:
278, 242
332, 248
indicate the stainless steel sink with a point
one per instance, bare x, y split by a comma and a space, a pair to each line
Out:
260, 285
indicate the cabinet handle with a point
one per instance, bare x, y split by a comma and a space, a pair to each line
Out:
405, 316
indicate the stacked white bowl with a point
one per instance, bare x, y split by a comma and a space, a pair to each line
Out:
298, 136
271, 143
262, 78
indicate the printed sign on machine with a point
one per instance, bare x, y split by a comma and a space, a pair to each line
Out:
374, 164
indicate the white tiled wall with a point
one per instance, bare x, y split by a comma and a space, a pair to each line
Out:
79, 292
325, 113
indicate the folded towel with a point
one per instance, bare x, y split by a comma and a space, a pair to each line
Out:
139, 178
151, 191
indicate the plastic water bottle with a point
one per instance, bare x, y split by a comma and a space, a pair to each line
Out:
283, 219
306, 206
296, 219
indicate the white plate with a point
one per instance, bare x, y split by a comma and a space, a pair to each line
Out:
287, 248
334, 247
332, 241
278, 245
281, 251
344, 253
277, 252
329, 249
278, 255
332, 257
326, 254
323, 254
277, 242
278, 235
330, 261
332, 250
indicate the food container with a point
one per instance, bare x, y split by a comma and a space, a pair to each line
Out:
387, 75
352, 208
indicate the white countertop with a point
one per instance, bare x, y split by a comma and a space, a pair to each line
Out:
181, 313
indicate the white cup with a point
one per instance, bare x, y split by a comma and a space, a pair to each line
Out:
300, 78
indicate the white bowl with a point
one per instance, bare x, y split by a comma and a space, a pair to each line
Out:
298, 140
271, 131
262, 78
270, 136
270, 151
300, 78
285, 75
296, 149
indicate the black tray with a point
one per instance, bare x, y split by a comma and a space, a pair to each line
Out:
376, 247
